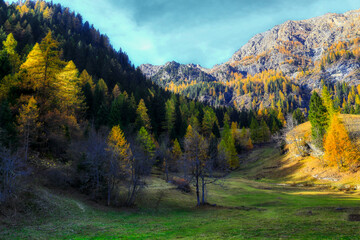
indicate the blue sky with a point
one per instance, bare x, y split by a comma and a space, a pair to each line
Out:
205, 32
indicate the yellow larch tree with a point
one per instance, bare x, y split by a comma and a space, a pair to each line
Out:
68, 89
339, 149
28, 123
142, 116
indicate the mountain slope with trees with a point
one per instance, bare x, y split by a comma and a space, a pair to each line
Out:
305, 52
75, 113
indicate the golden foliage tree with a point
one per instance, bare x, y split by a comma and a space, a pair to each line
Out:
10, 47
142, 116
195, 156
34, 67
28, 123
337, 144
68, 89
120, 159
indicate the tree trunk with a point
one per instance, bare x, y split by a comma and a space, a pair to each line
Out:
197, 184
203, 190
166, 170
109, 194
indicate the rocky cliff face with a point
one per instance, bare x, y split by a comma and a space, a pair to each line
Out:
296, 48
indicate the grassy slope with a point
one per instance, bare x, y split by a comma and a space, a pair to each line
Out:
312, 169
271, 211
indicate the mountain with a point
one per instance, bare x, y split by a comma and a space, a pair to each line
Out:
305, 52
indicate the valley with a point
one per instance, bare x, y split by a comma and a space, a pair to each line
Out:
245, 208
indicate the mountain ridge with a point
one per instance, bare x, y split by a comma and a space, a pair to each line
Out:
295, 48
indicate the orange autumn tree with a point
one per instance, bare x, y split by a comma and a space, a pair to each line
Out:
339, 149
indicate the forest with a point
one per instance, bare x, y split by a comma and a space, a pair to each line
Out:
76, 116
70, 102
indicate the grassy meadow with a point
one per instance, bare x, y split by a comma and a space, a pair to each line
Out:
246, 208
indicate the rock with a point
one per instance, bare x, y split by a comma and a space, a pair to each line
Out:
354, 217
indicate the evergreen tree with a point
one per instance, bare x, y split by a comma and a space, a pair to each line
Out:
229, 147
298, 116
318, 116
146, 142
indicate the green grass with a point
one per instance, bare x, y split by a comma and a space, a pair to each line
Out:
270, 211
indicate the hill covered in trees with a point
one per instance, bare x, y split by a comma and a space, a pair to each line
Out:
74, 112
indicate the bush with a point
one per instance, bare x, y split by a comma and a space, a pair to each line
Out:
181, 184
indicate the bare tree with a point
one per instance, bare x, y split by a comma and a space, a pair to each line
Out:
290, 137
91, 156
163, 153
11, 169
138, 168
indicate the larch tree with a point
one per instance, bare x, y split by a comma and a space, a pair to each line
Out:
195, 158
339, 149
116, 91
28, 124
328, 102
146, 142
10, 47
68, 89
176, 152
208, 121
142, 116
34, 67
120, 159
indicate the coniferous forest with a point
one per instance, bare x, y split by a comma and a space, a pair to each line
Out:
85, 135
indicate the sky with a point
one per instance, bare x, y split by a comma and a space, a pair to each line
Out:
205, 32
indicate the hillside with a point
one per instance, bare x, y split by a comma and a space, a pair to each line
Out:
306, 52
313, 168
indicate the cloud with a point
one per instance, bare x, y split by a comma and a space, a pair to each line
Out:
205, 32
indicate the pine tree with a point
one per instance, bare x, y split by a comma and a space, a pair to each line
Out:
170, 116
208, 121
298, 116
230, 149
254, 130
117, 112
146, 142
318, 116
